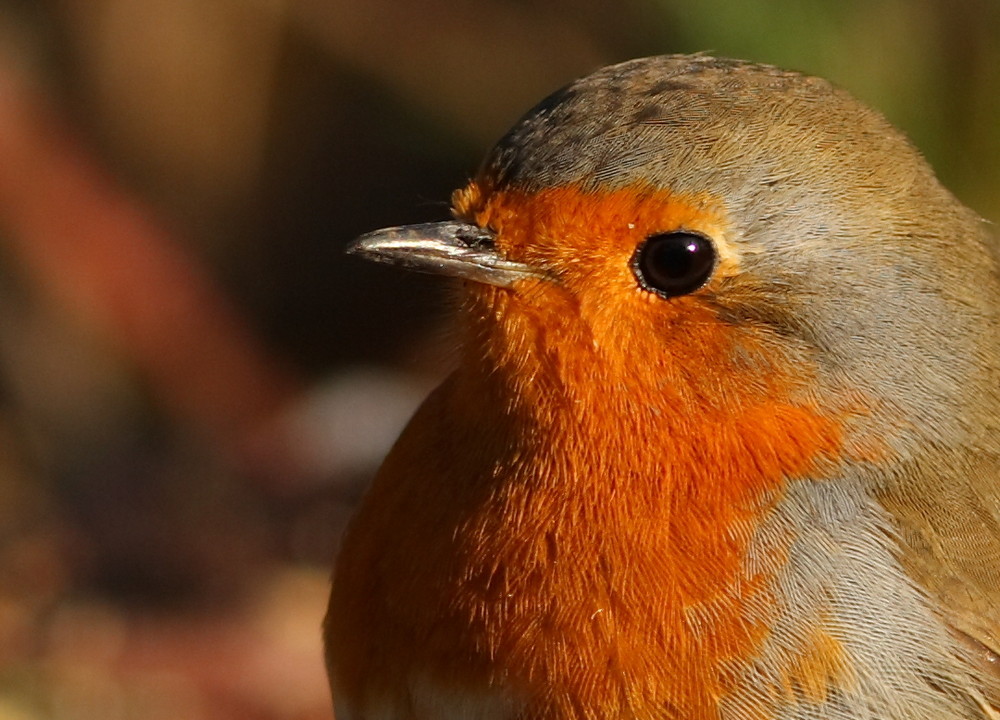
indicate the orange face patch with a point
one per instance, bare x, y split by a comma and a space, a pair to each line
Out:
568, 518
672, 349
566, 224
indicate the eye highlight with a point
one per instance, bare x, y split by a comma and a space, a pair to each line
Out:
674, 263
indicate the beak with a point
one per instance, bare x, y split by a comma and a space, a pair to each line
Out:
446, 248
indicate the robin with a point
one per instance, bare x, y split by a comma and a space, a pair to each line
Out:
722, 440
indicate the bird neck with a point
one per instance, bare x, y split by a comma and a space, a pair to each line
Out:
670, 407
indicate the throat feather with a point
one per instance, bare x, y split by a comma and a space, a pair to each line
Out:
614, 535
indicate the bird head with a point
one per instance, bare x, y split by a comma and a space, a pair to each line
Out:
690, 229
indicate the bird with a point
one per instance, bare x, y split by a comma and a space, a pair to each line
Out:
721, 437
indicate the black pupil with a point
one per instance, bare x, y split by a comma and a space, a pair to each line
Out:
675, 263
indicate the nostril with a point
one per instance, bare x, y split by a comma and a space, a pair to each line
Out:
475, 237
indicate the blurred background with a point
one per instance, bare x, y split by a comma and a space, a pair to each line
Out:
196, 384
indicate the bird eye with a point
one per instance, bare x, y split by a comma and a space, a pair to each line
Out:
674, 263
